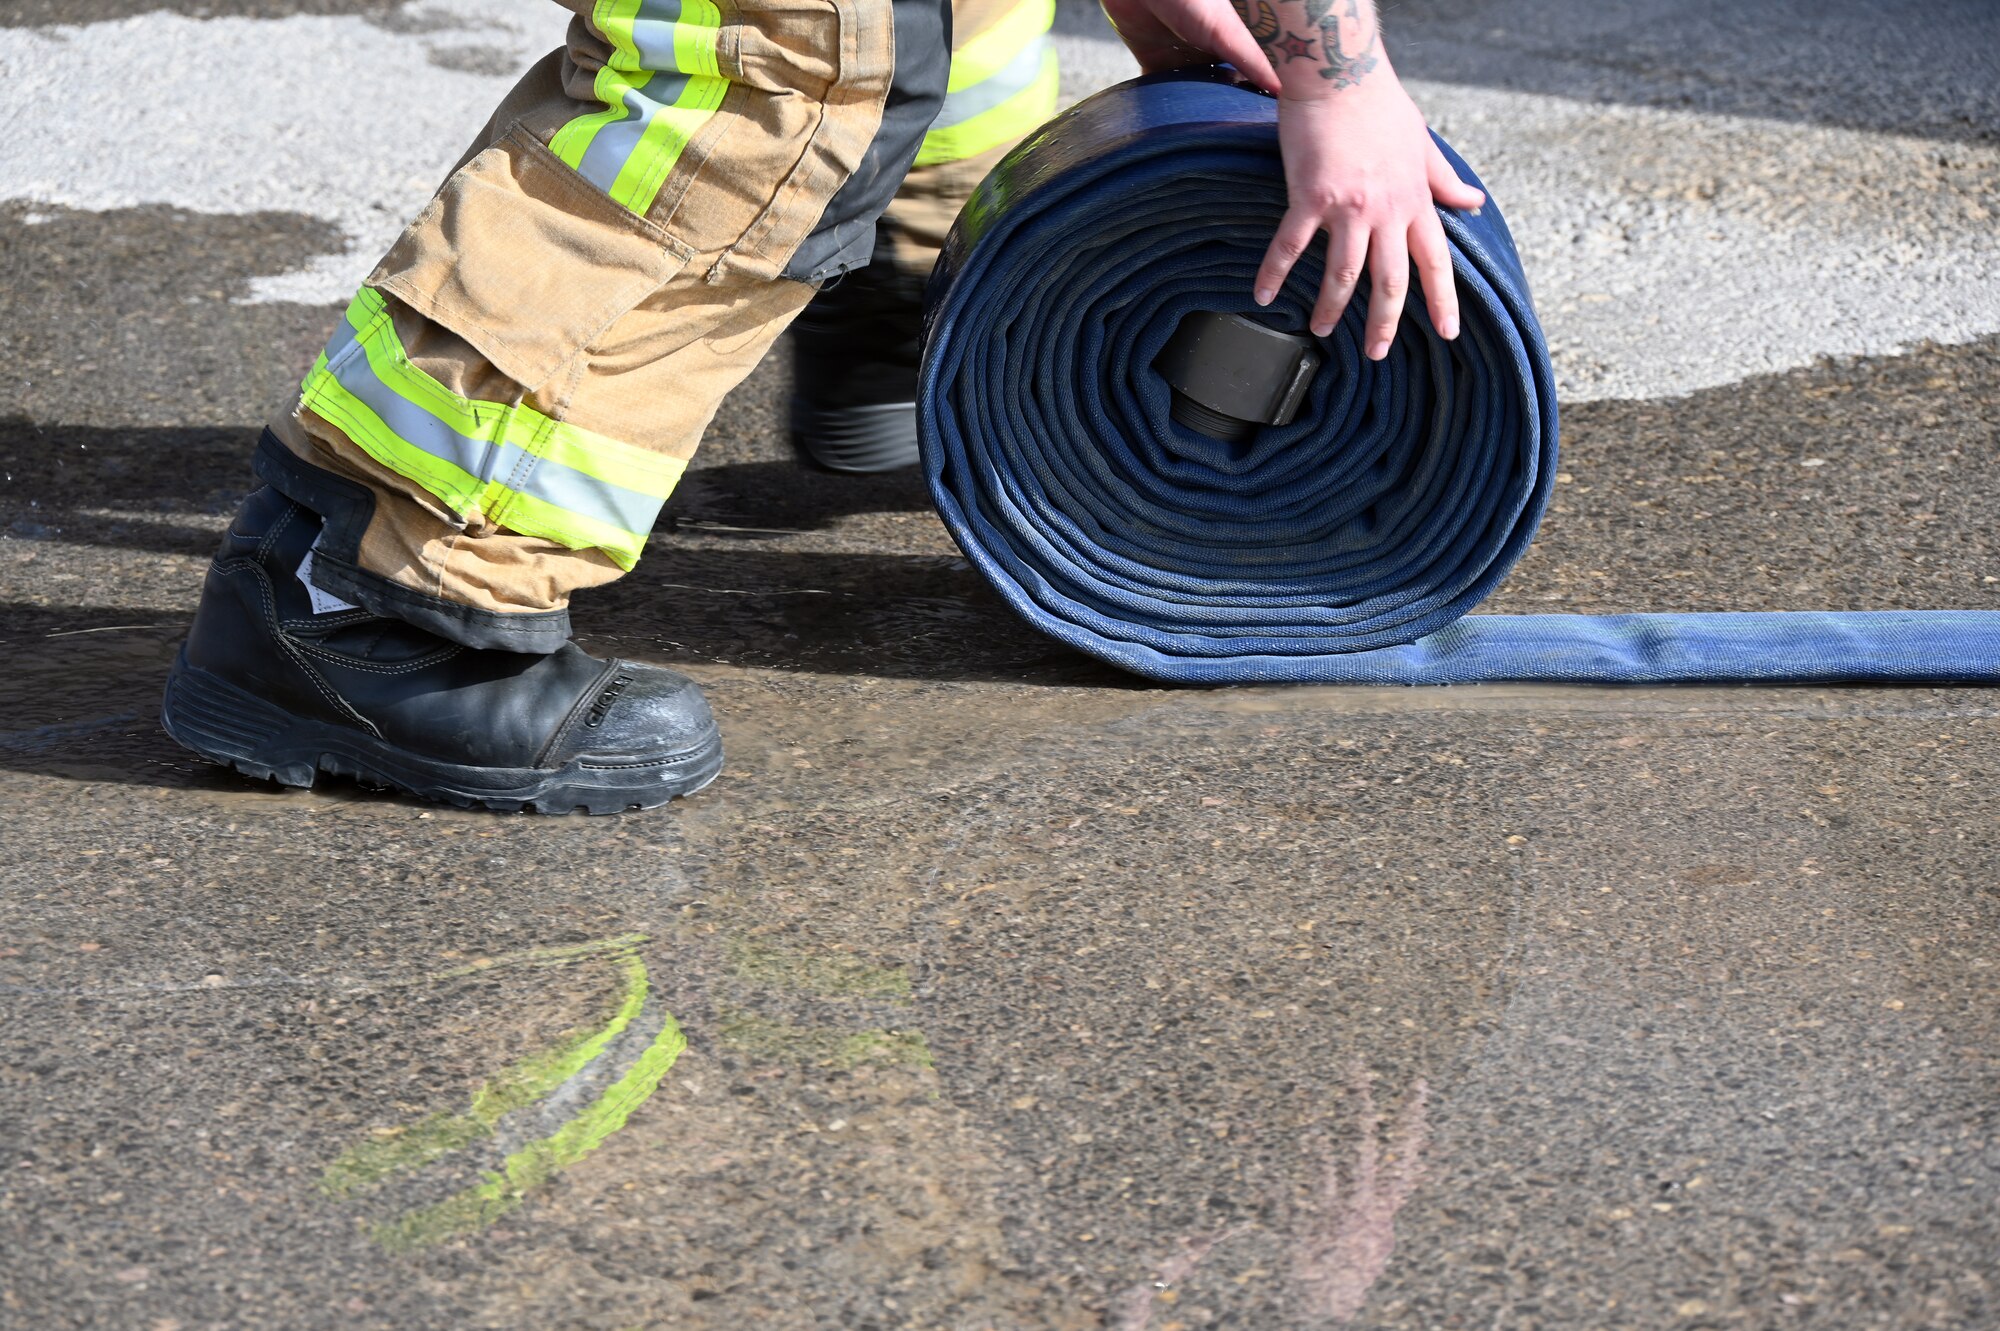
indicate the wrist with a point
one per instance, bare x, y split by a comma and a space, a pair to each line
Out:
1307, 88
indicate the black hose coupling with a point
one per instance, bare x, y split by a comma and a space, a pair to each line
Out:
1231, 375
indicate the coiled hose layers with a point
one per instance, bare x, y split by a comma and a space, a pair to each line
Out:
1349, 545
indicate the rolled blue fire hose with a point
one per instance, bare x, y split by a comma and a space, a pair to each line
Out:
1348, 546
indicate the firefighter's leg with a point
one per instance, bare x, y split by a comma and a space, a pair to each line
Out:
853, 404
513, 393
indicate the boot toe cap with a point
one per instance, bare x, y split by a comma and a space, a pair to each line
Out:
640, 713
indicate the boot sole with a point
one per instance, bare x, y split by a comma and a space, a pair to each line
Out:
211, 717
857, 441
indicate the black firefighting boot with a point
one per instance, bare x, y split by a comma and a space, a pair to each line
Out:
279, 680
854, 380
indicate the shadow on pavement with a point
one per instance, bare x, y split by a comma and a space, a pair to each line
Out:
782, 498
64, 479
82, 690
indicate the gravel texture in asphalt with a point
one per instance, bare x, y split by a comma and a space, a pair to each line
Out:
1015, 993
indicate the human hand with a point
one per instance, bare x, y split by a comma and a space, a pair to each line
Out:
1174, 34
1360, 165
1359, 162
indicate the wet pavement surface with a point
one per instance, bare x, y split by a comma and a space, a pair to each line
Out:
988, 987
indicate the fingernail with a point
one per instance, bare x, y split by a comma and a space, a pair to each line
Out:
1265, 295
1378, 351
1475, 212
1322, 330
1449, 328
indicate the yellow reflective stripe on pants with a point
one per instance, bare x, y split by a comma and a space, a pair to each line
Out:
516, 466
985, 55
1003, 84
659, 87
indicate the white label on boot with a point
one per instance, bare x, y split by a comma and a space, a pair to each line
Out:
324, 603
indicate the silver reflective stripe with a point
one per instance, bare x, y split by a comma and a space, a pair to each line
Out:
1010, 80
614, 144
552, 482
653, 40
653, 33
580, 492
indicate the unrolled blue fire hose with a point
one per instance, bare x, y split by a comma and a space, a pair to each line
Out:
1346, 546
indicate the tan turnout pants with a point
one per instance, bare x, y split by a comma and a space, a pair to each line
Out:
524, 376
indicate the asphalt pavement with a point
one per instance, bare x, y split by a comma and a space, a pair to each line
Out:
989, 988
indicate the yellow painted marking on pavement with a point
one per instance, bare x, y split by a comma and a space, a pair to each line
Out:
764, 1038
517, 1086
536, 1163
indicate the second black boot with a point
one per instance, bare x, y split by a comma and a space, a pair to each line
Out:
854, 373
277, 683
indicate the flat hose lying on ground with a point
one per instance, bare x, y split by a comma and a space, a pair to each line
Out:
1346, 546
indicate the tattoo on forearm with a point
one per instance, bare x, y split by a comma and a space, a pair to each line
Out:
1348, 37
1344, 66
1260, 18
